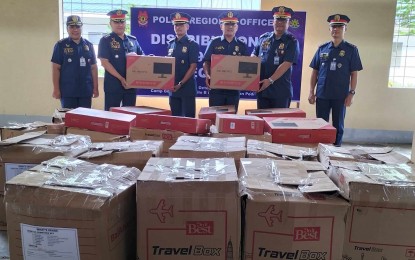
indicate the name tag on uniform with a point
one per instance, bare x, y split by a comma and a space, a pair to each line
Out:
82, 62
333, 64
276, 60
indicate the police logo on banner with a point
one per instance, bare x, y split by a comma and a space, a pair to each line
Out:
142, 18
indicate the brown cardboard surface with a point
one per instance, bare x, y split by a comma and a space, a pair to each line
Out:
130, 154
69, 193
16, 129
266, 137
208, 147
188, 209
260, 149
18, 157
168, 137
379, 223
97, 137
376, 155
234, 72
283, 223
150, 72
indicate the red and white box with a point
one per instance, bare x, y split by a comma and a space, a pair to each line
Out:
235, 72
239, 124
210, 112
188, 209
276, 112
300, 130
289, 222
138, 110
99, 120
150, 72
175, 123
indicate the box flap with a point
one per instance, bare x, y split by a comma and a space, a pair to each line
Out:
21, 138
197, 143
296, 123
66, 174
285, 151
266, 174
189, 170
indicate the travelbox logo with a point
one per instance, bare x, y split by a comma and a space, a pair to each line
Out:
199, 228
307, 234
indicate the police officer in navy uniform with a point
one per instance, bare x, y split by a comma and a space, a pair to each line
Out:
227, 44
278, 51
335, 66
74, 68
186, 51
112, 51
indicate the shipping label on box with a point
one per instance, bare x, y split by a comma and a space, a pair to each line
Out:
235, 72
150, 72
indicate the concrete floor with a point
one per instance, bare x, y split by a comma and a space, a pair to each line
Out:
404, 149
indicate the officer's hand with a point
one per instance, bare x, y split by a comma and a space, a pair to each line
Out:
312, 98
349, 100
208, 81
264, 84
123, 82
177, 87
95, 93
56, 94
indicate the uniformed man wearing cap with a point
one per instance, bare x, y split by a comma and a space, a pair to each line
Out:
335, 66
186, 51
227, 44
278, 51
74, 68
112, 51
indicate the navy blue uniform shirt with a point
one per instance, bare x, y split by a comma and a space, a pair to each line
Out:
115, 49
273, 52
186, 52
335, 65
75, 80
219, 45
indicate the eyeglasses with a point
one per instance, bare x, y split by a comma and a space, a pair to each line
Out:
74, 26
118, 22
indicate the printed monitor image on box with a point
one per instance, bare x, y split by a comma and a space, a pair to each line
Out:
248, 68
235, 72
150, 72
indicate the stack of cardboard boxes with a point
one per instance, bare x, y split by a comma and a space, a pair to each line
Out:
189, 195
